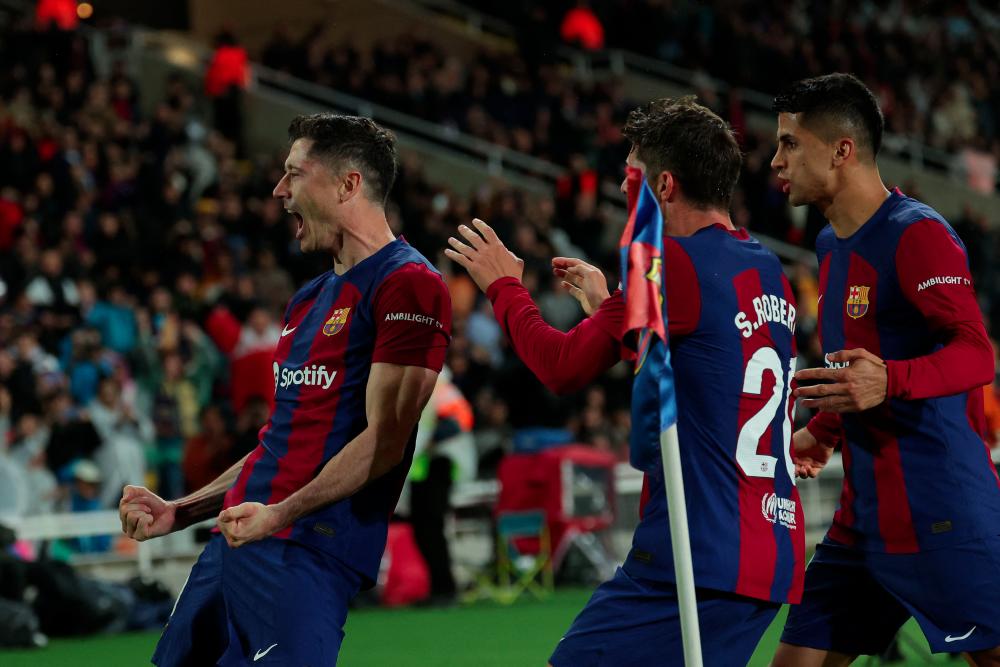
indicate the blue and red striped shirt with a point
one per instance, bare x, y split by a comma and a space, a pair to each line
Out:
731, 317
917, 472
392, 307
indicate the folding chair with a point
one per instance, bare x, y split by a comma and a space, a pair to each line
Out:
520, 566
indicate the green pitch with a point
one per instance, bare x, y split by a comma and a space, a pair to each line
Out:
484, 635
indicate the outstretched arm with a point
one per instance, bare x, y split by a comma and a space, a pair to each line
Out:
394, 398
563, 362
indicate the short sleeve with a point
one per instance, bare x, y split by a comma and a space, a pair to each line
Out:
412, 313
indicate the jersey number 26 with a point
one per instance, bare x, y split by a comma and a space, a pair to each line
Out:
752, 463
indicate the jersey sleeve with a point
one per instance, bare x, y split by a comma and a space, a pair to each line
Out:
412, 312
827, 428
563, 361
934, 275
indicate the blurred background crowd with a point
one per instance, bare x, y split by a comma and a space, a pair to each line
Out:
144, 266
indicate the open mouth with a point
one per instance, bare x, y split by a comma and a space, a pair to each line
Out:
786, 186
299, 223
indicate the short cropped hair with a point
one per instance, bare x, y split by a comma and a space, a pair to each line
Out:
692, 143
353, 142
836, 103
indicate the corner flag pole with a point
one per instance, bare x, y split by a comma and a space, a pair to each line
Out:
680, 540
654, 406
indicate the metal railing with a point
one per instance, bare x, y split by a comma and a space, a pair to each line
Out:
497, 158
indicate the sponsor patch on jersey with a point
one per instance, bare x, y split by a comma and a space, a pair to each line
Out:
336, 322
944, 280
857, 300
778, 510
310, 376
413, 317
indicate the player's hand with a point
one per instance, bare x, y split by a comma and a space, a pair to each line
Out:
144, 514
584, 281
249, 522
860, 386
485, 256
808, 454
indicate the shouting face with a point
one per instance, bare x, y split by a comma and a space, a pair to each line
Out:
308, 191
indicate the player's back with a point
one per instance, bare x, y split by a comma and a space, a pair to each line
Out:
733, 373
918, 476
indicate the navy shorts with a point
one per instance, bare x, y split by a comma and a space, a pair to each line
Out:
630, 621
273, 602
855, 601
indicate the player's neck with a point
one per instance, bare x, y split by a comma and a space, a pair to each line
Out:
361, 238
855, 203
683, 220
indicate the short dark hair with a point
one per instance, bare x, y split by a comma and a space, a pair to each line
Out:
691, 142
838, 100
353, 141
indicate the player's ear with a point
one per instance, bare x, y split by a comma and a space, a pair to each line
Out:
350, 185
666, 187
844, 148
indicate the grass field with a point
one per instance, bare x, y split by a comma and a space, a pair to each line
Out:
483, 635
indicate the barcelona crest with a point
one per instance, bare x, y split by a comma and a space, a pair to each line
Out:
857, 300
336, 322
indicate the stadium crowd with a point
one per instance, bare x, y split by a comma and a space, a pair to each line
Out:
530, 103
933, 65
144, 265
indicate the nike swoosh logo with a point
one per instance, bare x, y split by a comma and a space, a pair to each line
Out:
950, 639
260, 654
286, 331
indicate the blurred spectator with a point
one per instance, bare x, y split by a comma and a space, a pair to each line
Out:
85, 496
227, 76
14, 501
249, 347
249, 421
125, 434
272, 284
84, 362
979, 168
209, 453
71, 435
581, 27
58, 13
175, 411
113, 315
445, 452
51, 288
28, 451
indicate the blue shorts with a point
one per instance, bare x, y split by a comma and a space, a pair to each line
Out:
855, 601
273, 602
631, 621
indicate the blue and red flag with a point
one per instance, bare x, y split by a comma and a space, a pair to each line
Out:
654, 408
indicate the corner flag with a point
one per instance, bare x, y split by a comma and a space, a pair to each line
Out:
654, 408
654, 442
